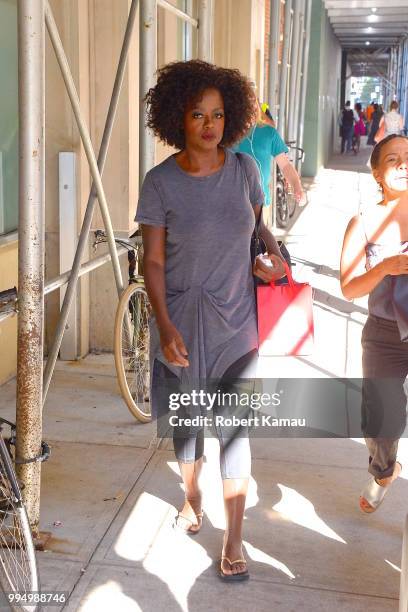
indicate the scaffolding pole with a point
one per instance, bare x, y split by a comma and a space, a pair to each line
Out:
284, 68
403, 595
30, 250
86, 139
205, 13
299, 74
90, 207
184, 15
188, 33
294, 69
305, 68
147, 79
272, 98
273, 80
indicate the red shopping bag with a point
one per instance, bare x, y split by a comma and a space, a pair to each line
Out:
285, 318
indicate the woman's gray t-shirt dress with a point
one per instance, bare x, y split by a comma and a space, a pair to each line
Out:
209, 284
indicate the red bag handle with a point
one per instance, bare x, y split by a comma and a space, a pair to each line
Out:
288, 274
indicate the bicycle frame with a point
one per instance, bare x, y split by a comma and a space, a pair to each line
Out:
6, 458
133, 252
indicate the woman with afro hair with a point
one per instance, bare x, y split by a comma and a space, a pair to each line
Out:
197, 210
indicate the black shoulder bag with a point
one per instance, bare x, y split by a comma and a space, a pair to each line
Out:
258, 246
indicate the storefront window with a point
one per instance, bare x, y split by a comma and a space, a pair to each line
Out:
8, 117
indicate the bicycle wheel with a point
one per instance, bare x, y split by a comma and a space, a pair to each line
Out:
282, 211
132, 350
18, 565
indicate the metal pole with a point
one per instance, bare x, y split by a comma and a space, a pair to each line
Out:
385, 83
273, 80
185, 15
305, 74
299, 73
188, 33
147, 79
398, 66
30, 250
403, 597
205, 30
87, 221
391, 91
294, 68
272, 97
59, 281
86, 140
404, 78
284, 69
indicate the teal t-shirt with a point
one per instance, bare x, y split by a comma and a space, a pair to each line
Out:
263, 143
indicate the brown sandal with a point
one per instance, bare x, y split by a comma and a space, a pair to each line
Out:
233, 577
188, 531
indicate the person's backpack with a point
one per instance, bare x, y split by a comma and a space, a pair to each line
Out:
348, 118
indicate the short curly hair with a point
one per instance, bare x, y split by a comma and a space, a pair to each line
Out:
181, 84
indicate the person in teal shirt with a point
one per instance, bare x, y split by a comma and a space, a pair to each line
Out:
263, 143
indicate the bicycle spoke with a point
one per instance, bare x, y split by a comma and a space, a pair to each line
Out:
17, 563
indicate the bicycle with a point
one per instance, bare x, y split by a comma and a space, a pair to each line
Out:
18, 564
131, 332
285, 198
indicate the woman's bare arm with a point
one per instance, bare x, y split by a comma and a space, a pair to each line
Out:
291, 175
154, 259
153, 269
355, 281
260, 269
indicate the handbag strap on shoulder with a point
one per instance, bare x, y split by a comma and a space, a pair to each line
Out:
258, 221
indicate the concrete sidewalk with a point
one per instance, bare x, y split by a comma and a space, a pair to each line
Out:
110, 492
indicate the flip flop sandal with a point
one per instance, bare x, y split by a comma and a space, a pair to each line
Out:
373, 494
187, 531
233, 577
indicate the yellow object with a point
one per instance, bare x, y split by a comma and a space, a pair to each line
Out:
264, 107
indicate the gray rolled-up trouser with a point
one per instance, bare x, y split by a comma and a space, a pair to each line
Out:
235, 452
385, 367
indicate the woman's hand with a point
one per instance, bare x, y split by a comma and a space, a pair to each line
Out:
395, 265
268, 273
301, 197
173, 346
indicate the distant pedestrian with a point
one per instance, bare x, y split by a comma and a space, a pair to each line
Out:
263, 143
359, 128
375, 123
391, 123
370, 110
267, 115
346, 122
